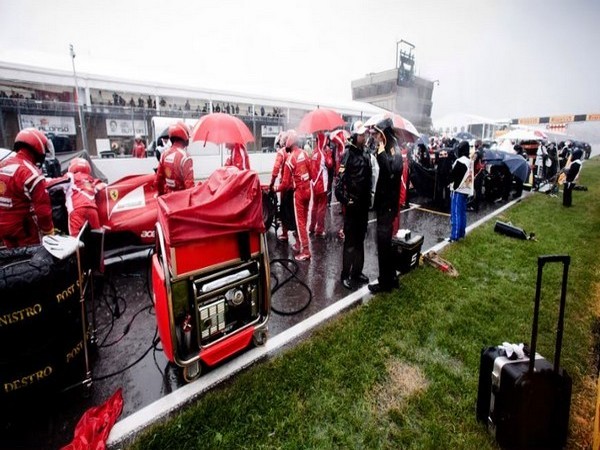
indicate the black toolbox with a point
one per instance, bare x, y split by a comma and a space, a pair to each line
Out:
525, 403
407, 251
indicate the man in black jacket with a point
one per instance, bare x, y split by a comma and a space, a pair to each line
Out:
387, 195
354, 192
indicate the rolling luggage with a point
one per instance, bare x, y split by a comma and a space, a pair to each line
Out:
526, 402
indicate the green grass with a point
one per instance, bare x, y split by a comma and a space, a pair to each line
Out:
338, 388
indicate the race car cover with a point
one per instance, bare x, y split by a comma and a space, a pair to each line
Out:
230, 201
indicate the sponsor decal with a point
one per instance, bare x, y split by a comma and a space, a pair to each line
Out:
28, 380
593, 117
168, 172
74, 351
114, 194
20, 315
529, 121
66, 293
147, 234
2, 187
562, 119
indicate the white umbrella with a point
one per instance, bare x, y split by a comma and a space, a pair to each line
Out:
521, 134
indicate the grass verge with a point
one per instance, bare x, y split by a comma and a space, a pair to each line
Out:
401, 371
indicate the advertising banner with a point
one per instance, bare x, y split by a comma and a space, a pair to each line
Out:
270, 130
119, 127
49, 124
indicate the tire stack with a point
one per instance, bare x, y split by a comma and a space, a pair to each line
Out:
40, 325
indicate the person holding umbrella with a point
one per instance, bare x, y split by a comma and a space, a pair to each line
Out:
321, 163
387, 199
176, 169
287, 197
297, 175
238, 157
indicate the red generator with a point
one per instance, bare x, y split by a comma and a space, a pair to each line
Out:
210, 271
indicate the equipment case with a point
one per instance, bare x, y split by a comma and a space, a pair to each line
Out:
407, 252
526, 402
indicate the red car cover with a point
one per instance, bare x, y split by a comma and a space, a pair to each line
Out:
228, 202
129, 205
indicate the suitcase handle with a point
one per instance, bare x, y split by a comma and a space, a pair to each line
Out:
542, 260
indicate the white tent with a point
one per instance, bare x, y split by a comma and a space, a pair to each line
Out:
521, 134
454, 123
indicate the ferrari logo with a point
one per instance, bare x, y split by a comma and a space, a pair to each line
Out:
114, 194
2, 187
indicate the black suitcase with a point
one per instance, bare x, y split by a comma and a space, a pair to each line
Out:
525, 403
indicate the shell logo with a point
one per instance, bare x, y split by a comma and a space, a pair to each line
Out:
2, 187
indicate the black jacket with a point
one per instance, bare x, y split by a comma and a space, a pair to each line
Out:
387, 192
355, 176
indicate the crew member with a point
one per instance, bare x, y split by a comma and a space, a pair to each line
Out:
238, 157
353, 190
461, 185
25, 208
176, 170
338, 140
80, 196
321, 162
387, 198
573, 171
297, 174
139, 148
286, 208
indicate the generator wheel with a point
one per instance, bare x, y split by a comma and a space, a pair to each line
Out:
192, 372
259, 338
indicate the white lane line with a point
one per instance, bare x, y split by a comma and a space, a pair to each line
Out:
159, 410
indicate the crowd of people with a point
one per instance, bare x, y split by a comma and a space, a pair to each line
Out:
341, 164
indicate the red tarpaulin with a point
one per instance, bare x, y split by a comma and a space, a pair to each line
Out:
228, 202
93, 428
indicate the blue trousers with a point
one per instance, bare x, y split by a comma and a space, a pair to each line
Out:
458, 216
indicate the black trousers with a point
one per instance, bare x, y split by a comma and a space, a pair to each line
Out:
286, 210
385, 256
568, 193
356, 219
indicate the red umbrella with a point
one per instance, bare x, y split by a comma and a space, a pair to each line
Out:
403, 128
320, 119
221, 128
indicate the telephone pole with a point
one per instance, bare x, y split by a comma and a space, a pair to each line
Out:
79, 105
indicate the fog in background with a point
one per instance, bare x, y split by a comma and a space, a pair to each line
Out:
500, 59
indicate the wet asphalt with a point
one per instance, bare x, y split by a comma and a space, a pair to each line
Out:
126, 326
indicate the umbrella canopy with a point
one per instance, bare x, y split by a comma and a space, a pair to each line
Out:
464, 136
403, 128
221, 128
516, 164
320, 119
521, 134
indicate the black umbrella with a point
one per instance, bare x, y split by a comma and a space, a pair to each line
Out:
464, 136
516, 164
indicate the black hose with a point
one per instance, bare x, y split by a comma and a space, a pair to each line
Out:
155, 339
278, 285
